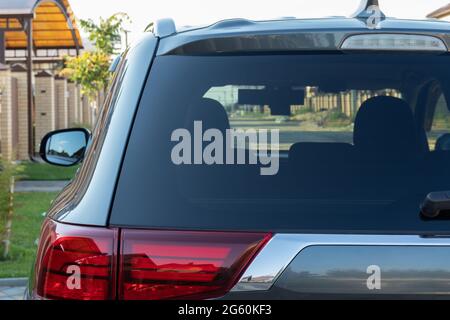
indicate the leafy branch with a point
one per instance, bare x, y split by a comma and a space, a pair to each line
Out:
107, 33
91, 69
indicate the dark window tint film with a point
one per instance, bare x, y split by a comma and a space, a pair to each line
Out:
307, 142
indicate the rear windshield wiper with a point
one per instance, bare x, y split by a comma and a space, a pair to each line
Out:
435, 203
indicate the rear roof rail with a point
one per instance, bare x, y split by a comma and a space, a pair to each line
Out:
164, 27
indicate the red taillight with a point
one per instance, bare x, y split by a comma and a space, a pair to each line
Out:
75, 262
79, 263
177, 264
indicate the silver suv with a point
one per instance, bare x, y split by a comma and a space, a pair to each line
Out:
283, 159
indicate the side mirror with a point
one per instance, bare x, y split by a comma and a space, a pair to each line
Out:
443, 143
435, 203
65, 148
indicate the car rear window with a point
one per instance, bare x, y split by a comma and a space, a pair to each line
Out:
288, 142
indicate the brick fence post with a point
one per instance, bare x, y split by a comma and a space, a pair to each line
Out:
86, 110
72, 105
80, 104
62, 114
6, 127
45, 106
19, 72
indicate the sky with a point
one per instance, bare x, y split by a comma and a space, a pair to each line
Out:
200, 12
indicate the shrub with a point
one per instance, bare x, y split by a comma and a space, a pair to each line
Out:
6, 172
336, 118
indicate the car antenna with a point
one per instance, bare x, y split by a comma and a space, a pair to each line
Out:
367, 9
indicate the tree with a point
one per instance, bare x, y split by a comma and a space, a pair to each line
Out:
91, 69
150, 27
107, 34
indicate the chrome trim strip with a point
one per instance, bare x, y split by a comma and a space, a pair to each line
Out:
282, 249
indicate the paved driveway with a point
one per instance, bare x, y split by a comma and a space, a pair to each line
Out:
40, 186
11, 293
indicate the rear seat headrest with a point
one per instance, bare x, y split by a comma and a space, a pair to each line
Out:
210, 112
386, 125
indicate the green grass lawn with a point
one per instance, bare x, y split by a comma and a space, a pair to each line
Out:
25, 230
41, 171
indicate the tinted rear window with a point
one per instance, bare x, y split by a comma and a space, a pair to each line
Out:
298, 142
